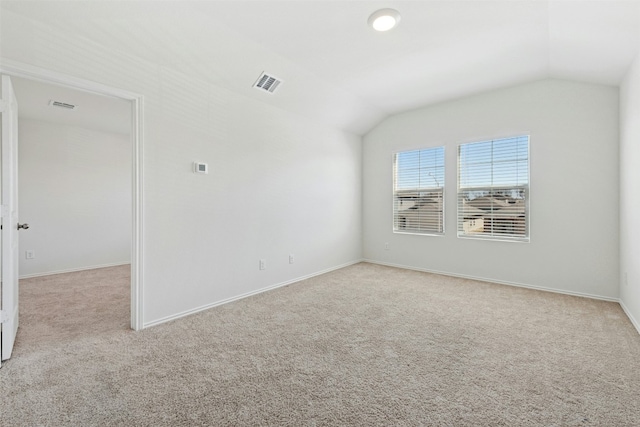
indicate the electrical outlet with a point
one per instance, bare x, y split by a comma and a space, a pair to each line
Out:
263, 264
386, 246
291, 259
30, 254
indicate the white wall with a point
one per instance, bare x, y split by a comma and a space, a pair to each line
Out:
573, 187
75, 193
278, 183
630, 193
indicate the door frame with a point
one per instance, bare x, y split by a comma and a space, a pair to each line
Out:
17, 69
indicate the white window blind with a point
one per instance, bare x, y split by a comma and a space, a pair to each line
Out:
418, 191
493, 189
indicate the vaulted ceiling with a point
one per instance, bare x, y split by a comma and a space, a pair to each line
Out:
336, 69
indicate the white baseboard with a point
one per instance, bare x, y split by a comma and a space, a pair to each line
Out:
73, 270
633, 320
245, 295
501, 282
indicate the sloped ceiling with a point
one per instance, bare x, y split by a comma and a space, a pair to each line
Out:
338, 70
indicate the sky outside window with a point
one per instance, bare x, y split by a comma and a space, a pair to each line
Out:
420, 169
497, 163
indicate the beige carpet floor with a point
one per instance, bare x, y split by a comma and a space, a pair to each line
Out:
366, 345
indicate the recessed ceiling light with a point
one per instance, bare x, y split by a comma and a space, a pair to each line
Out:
384, 19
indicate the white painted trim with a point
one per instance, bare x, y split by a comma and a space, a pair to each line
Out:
137, 219
248, 294
633, 320
18, 69
500, 282
73, 270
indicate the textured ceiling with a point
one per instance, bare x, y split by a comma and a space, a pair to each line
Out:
338, 70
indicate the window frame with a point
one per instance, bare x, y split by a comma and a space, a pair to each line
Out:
524, 188
441, 188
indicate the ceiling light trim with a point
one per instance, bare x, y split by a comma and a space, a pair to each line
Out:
384, 19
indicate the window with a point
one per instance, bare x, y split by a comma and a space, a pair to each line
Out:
418, 191
493, 189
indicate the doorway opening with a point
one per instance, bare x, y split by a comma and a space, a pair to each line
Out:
74, 186
81, 158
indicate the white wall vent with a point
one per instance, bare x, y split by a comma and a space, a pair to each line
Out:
267, 83
59, 104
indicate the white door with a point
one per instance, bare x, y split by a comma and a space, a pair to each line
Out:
10, 226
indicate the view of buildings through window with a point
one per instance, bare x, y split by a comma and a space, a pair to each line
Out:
493, 189
418, 198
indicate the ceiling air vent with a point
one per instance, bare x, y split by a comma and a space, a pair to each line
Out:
267, 83
59, 104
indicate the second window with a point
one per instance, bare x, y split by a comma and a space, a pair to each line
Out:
418, 191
